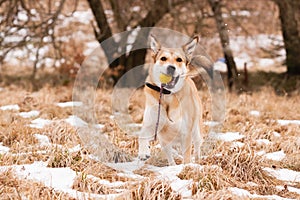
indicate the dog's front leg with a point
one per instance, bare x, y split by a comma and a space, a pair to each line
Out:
144, 138
148, 129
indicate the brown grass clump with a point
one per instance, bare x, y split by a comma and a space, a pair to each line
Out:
63, 158
154, 189
208, 178
61, 132
55, 112
14, 188
219, 194
22, 158
102, 146
80, 162
84, 183
17, 134
243, 165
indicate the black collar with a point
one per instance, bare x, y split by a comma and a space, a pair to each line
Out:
156, 88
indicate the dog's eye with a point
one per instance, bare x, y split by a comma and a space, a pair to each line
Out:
163, 58
178, 60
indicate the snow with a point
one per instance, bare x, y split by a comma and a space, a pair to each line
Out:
277, 156
211, 123
14, 107
288, 122
128, 167
74, 149
170, 174
42, 139
245, 51
237, 144
90, 47
39, 123
254, 113
263, 142
76, 121
33, 113
240, 192
3, 149
99, 126
276, 134
22, 16
69, 104
291, 189
284, 174
135, 125
106, 182
228, 136
58, 178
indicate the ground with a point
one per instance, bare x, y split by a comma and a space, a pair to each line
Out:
254, 155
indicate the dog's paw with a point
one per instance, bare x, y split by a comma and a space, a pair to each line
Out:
144, 157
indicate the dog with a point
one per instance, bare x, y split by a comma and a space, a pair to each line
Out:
180, 119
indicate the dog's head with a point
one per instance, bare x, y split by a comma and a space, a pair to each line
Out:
171, 62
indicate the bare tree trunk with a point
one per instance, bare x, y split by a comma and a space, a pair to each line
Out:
105, 31
231, 66
290, 23
134, 58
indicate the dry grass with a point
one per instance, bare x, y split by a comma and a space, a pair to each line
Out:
154, 189
14, 188
227, 166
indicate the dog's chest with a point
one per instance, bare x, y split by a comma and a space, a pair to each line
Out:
173, 107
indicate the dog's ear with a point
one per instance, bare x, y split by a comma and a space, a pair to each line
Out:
154, 44
189, 47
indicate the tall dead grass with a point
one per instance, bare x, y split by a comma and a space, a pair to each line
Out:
235, 167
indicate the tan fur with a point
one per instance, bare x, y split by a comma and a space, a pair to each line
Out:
181, 112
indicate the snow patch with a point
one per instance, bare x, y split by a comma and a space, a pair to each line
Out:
33, 113
277, 156
228, 136
276, 134
263, 142
239, 192
211, 123
14, 107
284, 174
3, 149
288, 122
291, 189
128, 167
237, 144
43, 139
254, 113
40, 123
76, 121
58, 178
69, 104
170, 173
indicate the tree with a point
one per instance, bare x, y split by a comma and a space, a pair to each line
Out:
289, 14
216, 6
134, 58
29, 25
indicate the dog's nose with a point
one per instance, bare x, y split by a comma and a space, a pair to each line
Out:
170, 69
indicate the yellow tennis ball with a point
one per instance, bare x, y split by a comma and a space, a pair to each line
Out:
165, 78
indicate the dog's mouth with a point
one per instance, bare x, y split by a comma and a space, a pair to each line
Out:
171, 84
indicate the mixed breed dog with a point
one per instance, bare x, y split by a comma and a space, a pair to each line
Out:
180, 116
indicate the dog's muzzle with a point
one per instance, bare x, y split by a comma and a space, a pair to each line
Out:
172, 83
